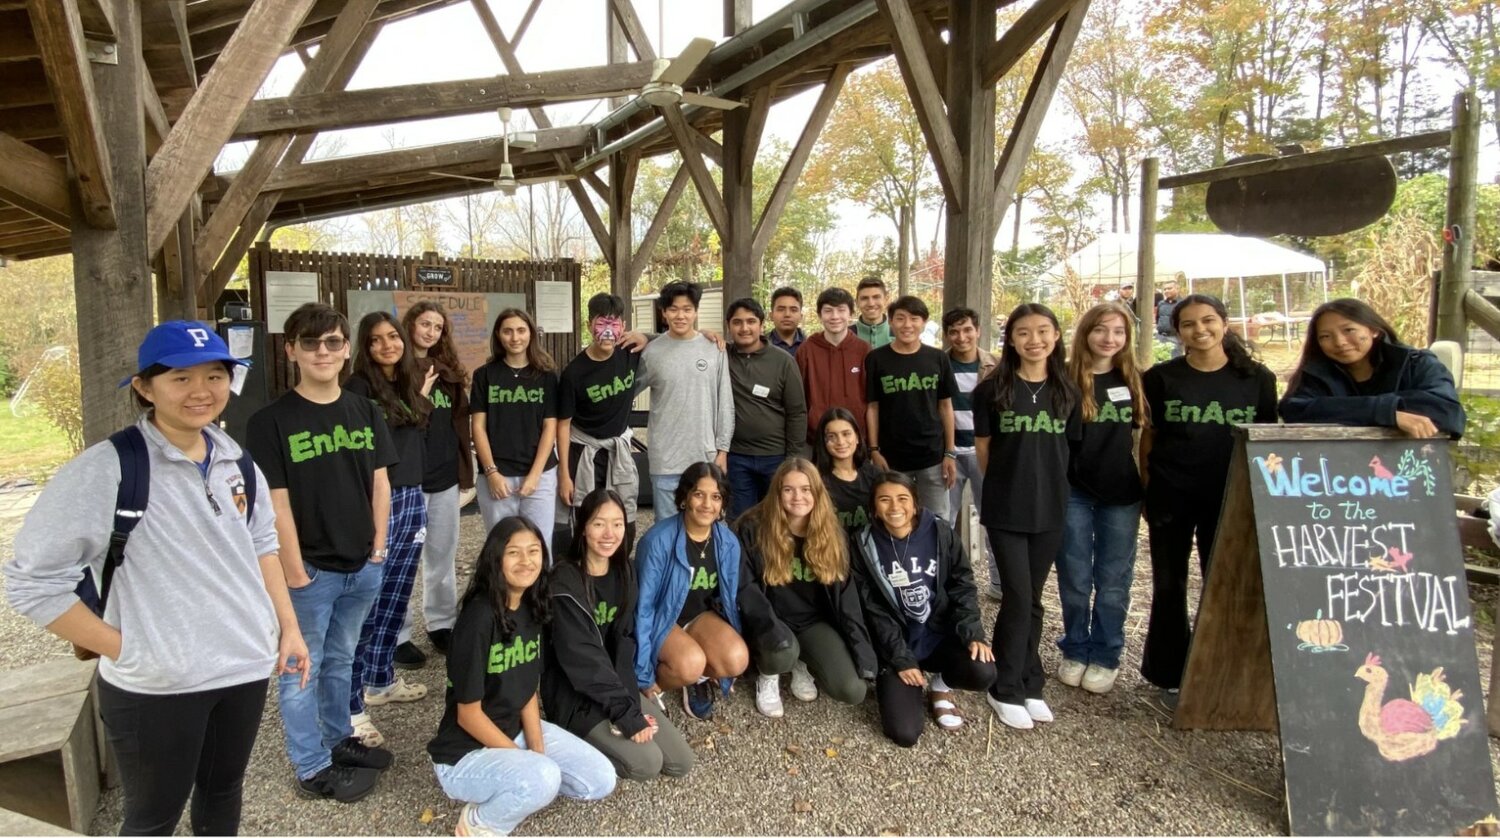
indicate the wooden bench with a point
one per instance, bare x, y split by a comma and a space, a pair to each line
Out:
49, 750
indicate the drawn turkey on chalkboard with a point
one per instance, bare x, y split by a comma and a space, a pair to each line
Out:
1403, 729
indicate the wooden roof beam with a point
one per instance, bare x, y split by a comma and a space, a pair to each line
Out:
32, 180
926, 97
98, 18
386, 105
658, 224
1019, 38
59, 34
188, 153
796, 161
16, 40
166, 45
692, 159
208, 45
630, 24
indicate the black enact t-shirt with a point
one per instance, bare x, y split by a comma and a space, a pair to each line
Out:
1104, 463
1191, 415
325, 456
1026, 477
851, 498
908, 389
596, 395
441, 455
798, 602
502, 673
703, 586
607, 598
515, 403
410, 442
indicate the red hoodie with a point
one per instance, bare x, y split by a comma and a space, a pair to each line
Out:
833, 376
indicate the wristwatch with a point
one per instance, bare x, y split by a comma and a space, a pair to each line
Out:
379, 554
874, 449
952, 455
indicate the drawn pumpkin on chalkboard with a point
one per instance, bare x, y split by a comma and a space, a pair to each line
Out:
1320, 635
1404, 729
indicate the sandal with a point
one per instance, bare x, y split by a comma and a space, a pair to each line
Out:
945, 710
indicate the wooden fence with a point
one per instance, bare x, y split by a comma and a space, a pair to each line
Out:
340, 273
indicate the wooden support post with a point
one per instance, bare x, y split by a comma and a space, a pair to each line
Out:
741, 267
1145, 263
111, 267
943, 143
622, 173
738, 15
1458, 226
59, 35
970, 242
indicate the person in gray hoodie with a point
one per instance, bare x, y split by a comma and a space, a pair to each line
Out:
198, 614
770, 409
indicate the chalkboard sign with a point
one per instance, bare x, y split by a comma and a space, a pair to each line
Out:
433, 275
1345, 540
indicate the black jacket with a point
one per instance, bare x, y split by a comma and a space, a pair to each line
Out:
589, 674
840, 604
955, 604
1408, 379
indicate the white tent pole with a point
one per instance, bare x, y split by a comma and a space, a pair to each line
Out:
1286, 297
1244, 318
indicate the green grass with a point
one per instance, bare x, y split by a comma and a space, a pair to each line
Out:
29, 446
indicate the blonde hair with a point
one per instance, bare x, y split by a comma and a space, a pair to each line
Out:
824, 551
1081, 360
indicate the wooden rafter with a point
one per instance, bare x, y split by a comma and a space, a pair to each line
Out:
213, 281
658, 224
525, 23
59, 34
692, 160
336, 60
1033, 110
755, 125
622, 177
166, 46
937, 50
16, 40
157, 124
98, 17
797, 160
595, 183
33, 181
188, 154
1019, 38
630, 24
926, 97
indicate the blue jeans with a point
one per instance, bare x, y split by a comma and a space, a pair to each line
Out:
663, 488
749, 480
330, 610
1098, 558
508, 784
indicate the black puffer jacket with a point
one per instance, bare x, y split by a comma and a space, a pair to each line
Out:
955, 603
590, 674
840, 604
1408, 379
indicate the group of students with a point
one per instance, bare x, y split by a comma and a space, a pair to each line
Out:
804, 488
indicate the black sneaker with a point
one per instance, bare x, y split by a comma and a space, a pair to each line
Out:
439, 639
698, 699
408, 656
343, 783
357, 754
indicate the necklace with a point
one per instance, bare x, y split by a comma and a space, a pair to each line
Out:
905, 546
703, 551
1034, 393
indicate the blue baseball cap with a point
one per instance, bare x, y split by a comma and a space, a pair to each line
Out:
179, 344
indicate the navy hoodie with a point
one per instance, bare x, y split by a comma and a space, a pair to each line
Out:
1408, 379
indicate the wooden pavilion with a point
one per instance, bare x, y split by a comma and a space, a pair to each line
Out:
112, 113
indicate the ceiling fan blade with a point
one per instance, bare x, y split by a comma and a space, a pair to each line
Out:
687, 61
462, 177
526, 181
701, 100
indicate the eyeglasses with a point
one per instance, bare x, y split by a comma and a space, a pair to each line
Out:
332, 344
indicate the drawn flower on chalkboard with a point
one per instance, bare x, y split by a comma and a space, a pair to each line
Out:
1273, 463
1415, 470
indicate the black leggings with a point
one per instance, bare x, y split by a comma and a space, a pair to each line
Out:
1025, 560
170, 746
902, 711
1173, 518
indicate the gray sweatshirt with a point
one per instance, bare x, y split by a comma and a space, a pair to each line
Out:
189, 598
692, 406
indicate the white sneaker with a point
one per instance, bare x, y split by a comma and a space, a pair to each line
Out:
768, 695
1038, 710
365, 731
397, 693
1099, 680
1071, 672
1011, 715
804, 688
468, 823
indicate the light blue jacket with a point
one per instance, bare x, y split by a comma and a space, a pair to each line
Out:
664, 575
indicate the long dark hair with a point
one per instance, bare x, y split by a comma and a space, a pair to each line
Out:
488, 582
1241, 355
578, 550
537, 358
1347, 307
821, 457
444, 351
1064, 392
400, 398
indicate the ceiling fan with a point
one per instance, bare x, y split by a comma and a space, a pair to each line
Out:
506, 181
667, 76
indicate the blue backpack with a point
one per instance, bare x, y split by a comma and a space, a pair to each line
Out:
131, 497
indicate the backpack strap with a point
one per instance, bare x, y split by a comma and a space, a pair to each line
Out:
247, 471
131, 498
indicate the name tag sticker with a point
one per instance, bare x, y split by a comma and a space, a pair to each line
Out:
1118, 394
899, 578
760, 391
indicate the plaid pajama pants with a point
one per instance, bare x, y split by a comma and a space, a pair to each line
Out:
374, 658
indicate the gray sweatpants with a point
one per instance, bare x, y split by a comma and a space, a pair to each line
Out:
667, 753
439, 605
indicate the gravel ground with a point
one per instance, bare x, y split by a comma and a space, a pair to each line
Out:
1109, 764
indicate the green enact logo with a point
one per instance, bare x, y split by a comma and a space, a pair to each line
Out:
440, 399
856, 517
912, 383
1042, 423
800, 573
704, 581
604, 613
518, 651
1212, 413
306, 445
515, 395
620, 386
